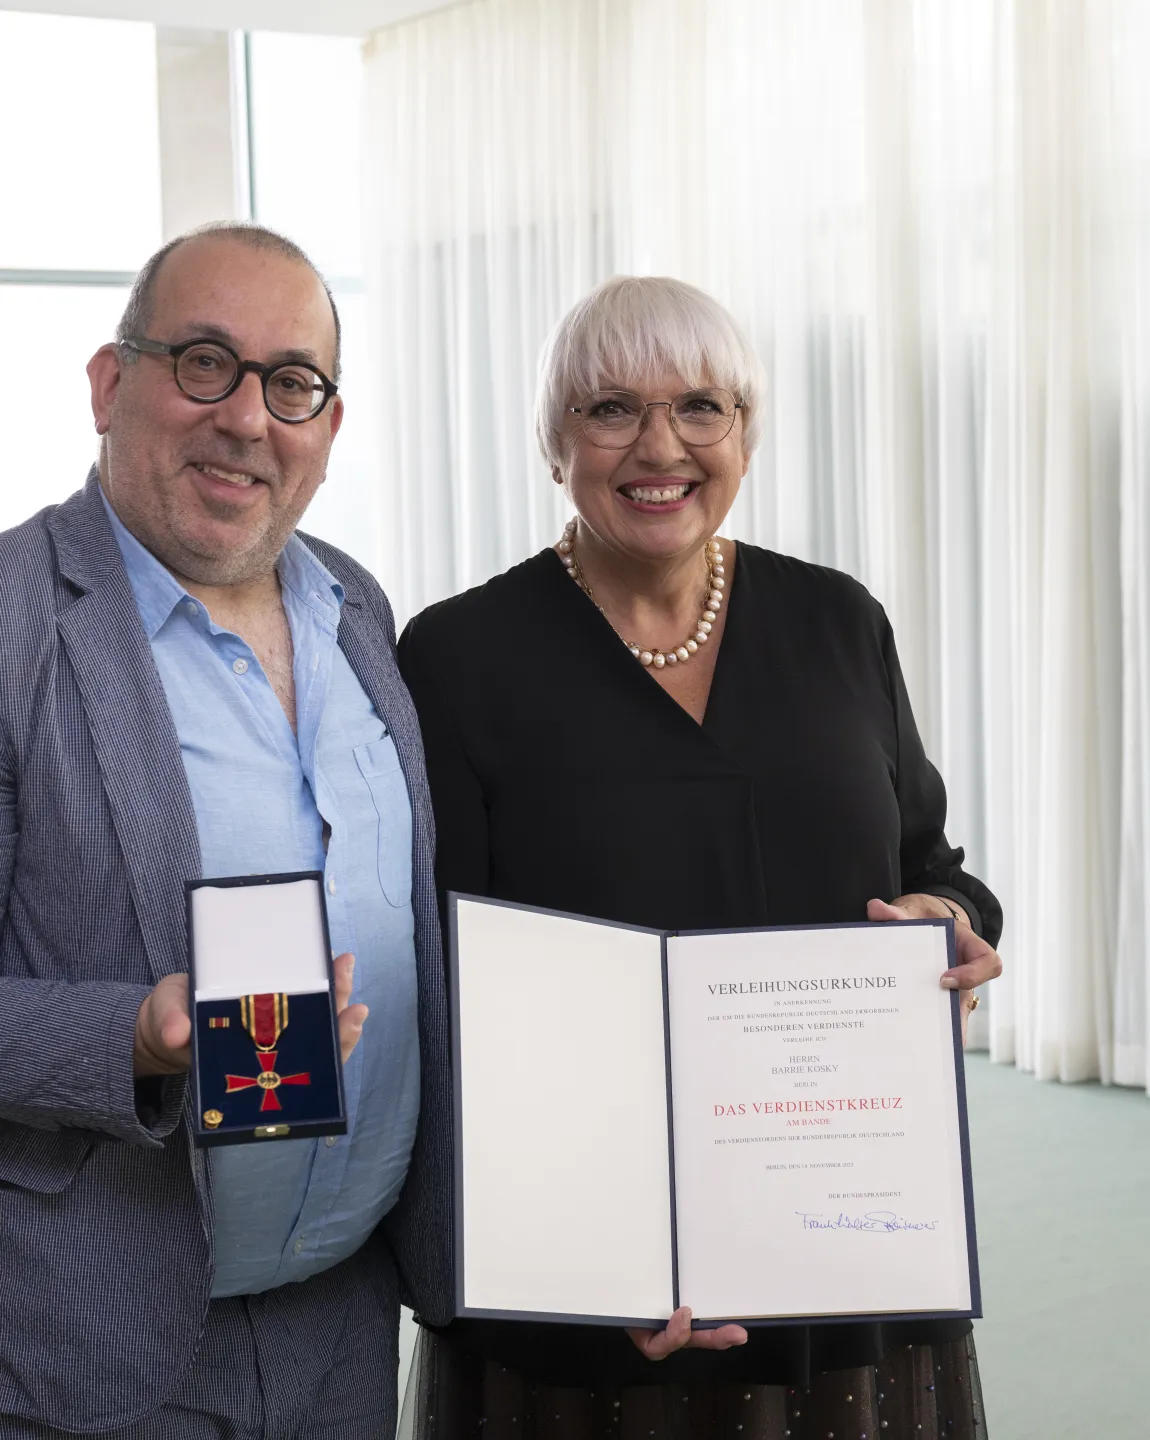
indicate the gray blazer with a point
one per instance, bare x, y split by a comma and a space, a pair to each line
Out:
105, 1206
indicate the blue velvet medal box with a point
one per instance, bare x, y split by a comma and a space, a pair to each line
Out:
265, 1037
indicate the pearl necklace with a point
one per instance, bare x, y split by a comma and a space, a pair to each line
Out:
712, 601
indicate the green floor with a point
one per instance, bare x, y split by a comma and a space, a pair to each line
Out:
1062, 1189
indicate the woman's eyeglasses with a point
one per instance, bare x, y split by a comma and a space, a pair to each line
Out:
615, 419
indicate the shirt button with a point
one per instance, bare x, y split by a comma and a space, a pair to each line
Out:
330, 1141
240, 666
330, 886
297, 1247
193, 608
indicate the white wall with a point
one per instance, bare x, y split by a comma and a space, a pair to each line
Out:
338, 17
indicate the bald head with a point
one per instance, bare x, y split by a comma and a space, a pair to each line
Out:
139, 310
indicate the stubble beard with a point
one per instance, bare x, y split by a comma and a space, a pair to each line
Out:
163, 521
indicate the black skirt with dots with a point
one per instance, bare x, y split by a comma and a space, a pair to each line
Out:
916, 1392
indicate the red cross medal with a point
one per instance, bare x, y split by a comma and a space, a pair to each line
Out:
265, 1018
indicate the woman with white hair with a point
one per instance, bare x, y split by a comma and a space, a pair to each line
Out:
651, 724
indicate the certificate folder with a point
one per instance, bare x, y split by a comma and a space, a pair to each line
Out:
766, 1125
265, 1038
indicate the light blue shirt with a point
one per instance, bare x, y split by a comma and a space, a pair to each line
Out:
261, 797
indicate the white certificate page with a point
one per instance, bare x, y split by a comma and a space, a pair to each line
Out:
562, 1143
818, 1161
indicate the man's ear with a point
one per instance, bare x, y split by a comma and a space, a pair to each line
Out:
336, 415
104, 371
333, 416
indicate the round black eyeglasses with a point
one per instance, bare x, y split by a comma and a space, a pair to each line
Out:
208, 371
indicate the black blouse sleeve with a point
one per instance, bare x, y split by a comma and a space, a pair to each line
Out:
930, 866
461, 822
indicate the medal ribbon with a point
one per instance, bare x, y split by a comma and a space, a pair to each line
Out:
265, 1018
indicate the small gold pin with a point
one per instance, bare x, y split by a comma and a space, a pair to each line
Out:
213, 1119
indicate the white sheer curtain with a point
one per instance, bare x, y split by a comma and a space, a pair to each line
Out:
934, 221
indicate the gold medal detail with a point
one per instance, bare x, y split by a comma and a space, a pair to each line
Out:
213, 1119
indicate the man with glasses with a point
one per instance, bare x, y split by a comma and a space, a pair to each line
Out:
190, 687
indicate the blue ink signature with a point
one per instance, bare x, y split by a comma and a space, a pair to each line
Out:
885, 1222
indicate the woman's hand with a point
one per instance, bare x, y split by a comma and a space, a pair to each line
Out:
978, 962
658, 1344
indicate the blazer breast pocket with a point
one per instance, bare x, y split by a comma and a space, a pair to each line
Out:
378, 763
42, 1161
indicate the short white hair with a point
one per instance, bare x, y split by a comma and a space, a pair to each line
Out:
633, 327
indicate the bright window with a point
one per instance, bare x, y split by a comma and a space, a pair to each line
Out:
79, 194
305, 99
50, 441
80, 160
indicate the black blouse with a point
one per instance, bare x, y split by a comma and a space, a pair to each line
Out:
563, 776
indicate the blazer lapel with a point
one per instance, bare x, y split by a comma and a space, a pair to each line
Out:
131, 726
